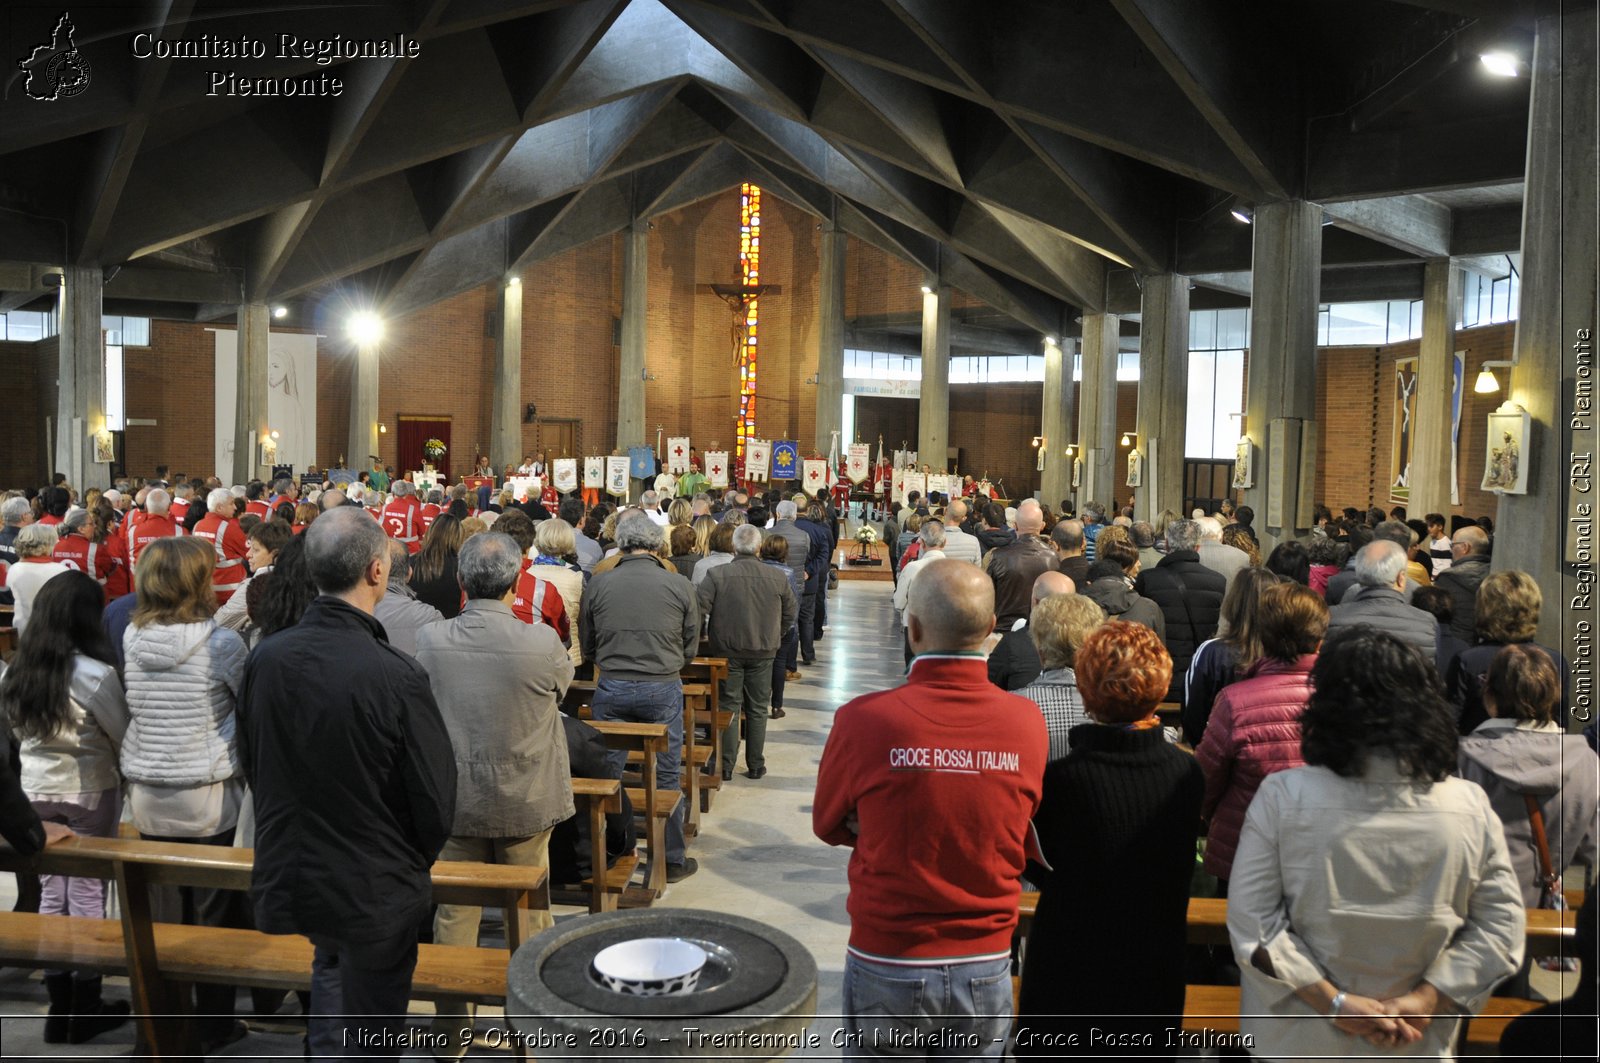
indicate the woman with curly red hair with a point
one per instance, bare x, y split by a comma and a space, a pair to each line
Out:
1117, 822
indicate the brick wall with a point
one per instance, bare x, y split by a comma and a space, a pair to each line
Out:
1355, 418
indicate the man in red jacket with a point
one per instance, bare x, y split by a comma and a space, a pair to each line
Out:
402, 516
934, 784
144, 528
222, 530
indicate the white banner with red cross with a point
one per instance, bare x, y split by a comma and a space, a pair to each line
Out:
717, 468
677, 455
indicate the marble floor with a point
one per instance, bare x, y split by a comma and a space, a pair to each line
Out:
756, 852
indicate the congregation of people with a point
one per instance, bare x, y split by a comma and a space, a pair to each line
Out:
166, 633
1358, 738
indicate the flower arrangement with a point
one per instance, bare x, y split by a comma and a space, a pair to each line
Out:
433, 449
867, 534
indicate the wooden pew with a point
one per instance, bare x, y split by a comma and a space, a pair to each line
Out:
159, 958
649, 802
1548, 931
702, 697
8, 643
603, 888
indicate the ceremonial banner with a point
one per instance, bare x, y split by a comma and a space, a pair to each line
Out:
915, 481
785, 460
859, 464
898, 485
816, 476
717, 468
566, 474
594, 472
902, 458
939, 484
523, 486
677, 455
757, 458
617, 475
642, 463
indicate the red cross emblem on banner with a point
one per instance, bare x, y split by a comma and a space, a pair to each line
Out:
677, 452
716, 470
814, 474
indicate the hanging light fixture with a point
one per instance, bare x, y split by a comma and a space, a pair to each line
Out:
1127, 439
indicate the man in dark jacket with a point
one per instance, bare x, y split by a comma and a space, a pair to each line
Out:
994, 533
817, 561
1469, 564
1377, 602
1014, 568
1190, 597
640, 626
1015, 663
751, 605
1067, 538
354, 790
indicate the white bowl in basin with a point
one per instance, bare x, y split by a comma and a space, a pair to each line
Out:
650, 967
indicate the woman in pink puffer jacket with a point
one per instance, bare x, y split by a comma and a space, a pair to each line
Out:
1254, 728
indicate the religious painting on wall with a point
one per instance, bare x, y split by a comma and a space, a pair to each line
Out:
1243, 476
1505, 459
1135, 469
1401, 442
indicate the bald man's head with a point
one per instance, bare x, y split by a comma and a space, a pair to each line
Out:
950, 607
1052, 582
1030, 518
1473, 537
955, 513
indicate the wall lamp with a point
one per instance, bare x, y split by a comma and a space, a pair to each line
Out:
1487, 383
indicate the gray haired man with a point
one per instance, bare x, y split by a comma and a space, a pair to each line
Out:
499, 684
751, 605
16, 513
640, 625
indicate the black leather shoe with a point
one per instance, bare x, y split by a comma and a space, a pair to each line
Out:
756, 773
727, 774
679, 872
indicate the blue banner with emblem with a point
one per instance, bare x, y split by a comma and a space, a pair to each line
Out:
785, 460
642, 463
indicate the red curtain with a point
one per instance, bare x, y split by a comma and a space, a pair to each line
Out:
414, 431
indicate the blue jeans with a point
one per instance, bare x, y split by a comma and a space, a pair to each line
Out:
619, 699
359, 994
951, 1011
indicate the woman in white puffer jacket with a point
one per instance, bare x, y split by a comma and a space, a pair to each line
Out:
179, 755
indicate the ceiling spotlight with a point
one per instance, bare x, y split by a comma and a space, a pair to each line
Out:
280, 311
1500, 64
1240, 214
1051, 341
365, 327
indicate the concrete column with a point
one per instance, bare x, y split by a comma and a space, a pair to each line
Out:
933, 414
250, 422
1097, 412
1550, 532
1286, 261
830, 339
1163, 394
81, 386
505, 413
1430, 435
364, 411
635, 297
1055, 483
